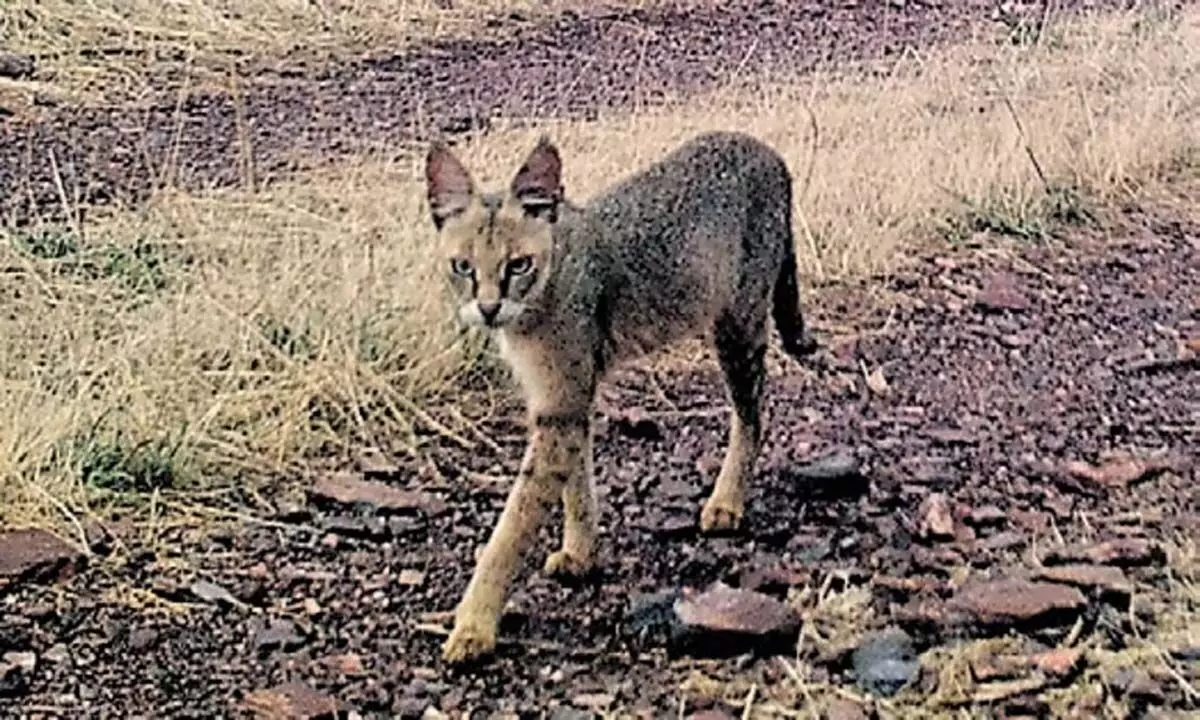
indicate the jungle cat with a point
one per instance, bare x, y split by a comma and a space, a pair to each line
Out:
700, 243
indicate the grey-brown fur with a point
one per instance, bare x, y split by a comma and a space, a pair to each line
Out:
699, 243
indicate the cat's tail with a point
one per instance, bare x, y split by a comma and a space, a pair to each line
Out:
789, 322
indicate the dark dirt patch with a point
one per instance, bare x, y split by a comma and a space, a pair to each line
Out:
576, 66
359, 608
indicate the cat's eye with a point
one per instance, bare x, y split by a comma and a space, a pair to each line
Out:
462, 267
520, 265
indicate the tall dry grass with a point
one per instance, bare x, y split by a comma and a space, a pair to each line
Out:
230, 337
111, 48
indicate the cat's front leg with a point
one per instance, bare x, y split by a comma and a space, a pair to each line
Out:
581, 514
554, 454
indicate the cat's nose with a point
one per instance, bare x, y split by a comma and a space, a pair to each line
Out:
488, 309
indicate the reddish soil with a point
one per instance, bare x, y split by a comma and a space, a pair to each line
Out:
295, 116
1004, 367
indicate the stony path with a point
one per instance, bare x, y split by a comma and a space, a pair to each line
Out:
1042, 406
575, 66
1029, 466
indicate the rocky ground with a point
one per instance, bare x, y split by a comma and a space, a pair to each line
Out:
1005, 449
984, 502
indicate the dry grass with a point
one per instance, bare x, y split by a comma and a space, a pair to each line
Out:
105, 47
232, 336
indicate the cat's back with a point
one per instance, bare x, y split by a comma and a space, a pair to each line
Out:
712, 167
698, 201
662, 251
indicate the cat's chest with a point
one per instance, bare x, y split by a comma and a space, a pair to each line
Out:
527, 363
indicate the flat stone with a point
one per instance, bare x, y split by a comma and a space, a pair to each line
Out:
1013, 601
832, 476
1123, 552
1118, 473
406, 525
926, 470
722, 619
291, 701
809, 548
835, 466
723, 608
36, 556
346, 488
1103, 577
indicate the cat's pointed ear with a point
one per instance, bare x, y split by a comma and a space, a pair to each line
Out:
538, 184
448, 183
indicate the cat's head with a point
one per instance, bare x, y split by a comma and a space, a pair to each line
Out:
497, 246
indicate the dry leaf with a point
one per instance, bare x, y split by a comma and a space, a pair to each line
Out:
877, 383
1117, 473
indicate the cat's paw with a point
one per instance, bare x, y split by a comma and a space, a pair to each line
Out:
562, 564
720, 516
472, 637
